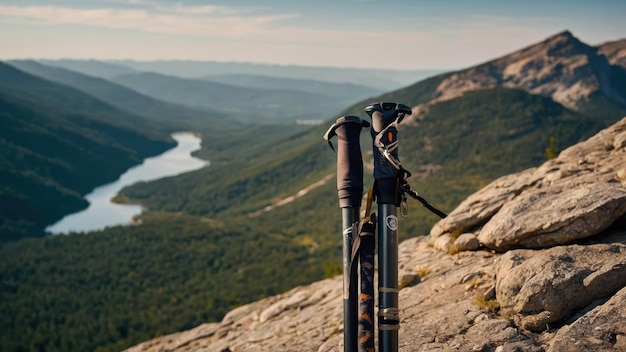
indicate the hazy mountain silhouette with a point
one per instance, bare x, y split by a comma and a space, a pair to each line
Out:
258, 104
166, 115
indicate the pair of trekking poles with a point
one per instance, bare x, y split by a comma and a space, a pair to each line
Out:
390, 191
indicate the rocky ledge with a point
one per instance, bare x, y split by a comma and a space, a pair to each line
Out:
535, 261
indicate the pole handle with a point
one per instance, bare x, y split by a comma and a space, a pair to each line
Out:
349, 159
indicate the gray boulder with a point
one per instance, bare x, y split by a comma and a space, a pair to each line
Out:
544, 287
579, 212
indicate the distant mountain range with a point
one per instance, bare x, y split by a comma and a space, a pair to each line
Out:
379, 79
259, 99
342, 91
239, 96
468, 127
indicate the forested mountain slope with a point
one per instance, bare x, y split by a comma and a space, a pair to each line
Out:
57, 144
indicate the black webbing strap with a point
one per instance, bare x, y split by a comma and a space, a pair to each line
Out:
407, 190
367, 228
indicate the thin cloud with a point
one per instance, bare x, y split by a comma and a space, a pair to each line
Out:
206, 20
219, 22
260, 35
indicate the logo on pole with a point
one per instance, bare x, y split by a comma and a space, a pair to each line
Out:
392, 222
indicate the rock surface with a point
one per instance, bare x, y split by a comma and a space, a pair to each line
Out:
564, 290
615, 52
608, 333
576, 195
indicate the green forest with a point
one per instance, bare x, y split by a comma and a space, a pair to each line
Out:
111, 289
205, 245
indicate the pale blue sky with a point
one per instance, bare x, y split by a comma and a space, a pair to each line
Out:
400, 34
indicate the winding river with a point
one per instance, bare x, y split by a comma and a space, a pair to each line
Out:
103, 213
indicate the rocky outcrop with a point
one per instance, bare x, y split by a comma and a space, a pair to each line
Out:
586, 209
576, 195
554, 279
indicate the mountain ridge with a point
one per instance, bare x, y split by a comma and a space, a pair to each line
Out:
561, 67
385, 79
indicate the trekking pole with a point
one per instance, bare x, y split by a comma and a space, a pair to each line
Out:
350, 192
364, 246
384, 131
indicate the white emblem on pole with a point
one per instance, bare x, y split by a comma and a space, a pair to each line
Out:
392, 222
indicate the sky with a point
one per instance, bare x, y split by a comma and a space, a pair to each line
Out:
389, 34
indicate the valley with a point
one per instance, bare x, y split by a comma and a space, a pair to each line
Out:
198, 252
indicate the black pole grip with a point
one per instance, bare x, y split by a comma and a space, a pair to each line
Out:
381, 121
384, 132
349, 159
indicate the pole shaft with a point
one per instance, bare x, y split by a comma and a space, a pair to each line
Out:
388, 312
366, 293
350, 216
